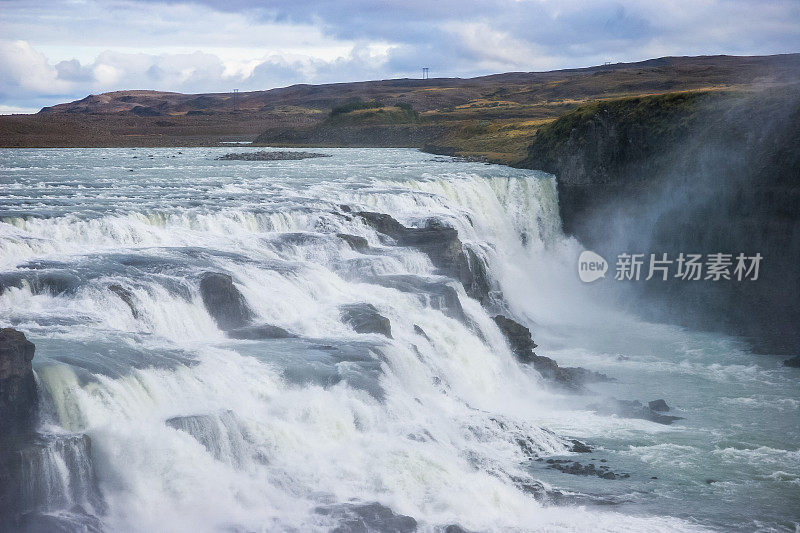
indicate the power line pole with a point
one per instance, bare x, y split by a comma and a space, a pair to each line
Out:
425, 75
235, 92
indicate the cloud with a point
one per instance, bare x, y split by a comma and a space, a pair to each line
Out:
23, 69
69, 48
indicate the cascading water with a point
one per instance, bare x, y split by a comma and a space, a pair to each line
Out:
158, 419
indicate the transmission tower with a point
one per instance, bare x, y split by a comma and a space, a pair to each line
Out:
425, 73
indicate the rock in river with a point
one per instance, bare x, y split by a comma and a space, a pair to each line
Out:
224, 302
364, 318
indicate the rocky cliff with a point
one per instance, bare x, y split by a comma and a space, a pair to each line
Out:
18, 398
700, 172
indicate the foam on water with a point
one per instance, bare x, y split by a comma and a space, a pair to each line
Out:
194, 431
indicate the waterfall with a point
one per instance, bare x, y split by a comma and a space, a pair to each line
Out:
193, 427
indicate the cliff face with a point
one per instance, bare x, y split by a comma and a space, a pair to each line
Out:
693, 173
18, 398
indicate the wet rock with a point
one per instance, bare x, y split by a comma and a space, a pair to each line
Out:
18, 395
364, 318
49, 474
794, 362
479, 285
126, 296
263, 331
419, 331
556, 497
41, 281
579, 447
219, 434
577, 469
658, 405
437, 240
455, 528
521, 342
223, 301
519, 337
356, 243
367, 517
441, 244
18, 412
270, 156
64, 522
437, 295
632, 409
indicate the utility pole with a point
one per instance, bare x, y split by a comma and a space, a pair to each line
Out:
235, 92
425, 73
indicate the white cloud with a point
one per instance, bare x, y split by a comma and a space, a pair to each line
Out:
15, 110
64, 49
24, 69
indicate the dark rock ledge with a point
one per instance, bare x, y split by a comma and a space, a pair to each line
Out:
635, 409
270, 156
521, 342
23, 450
229, 309
18, 395
576, 468
224, 302
363, 517
364, 318
442, 245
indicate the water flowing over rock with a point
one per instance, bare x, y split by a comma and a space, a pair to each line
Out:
364, 318
442, 245
223, 301
436, 294
126, 296
367, 517
220, 434
733, 160
436, 240
49, 484
521, 342
303, 401
519, 337
577, 469
263, 331
356, 243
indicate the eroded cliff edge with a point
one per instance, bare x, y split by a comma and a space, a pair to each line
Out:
701, 172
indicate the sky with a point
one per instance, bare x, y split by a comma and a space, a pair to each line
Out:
63, 50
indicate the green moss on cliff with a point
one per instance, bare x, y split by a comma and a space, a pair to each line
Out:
634, 128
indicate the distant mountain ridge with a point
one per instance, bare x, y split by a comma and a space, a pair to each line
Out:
666, 73
492, 117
